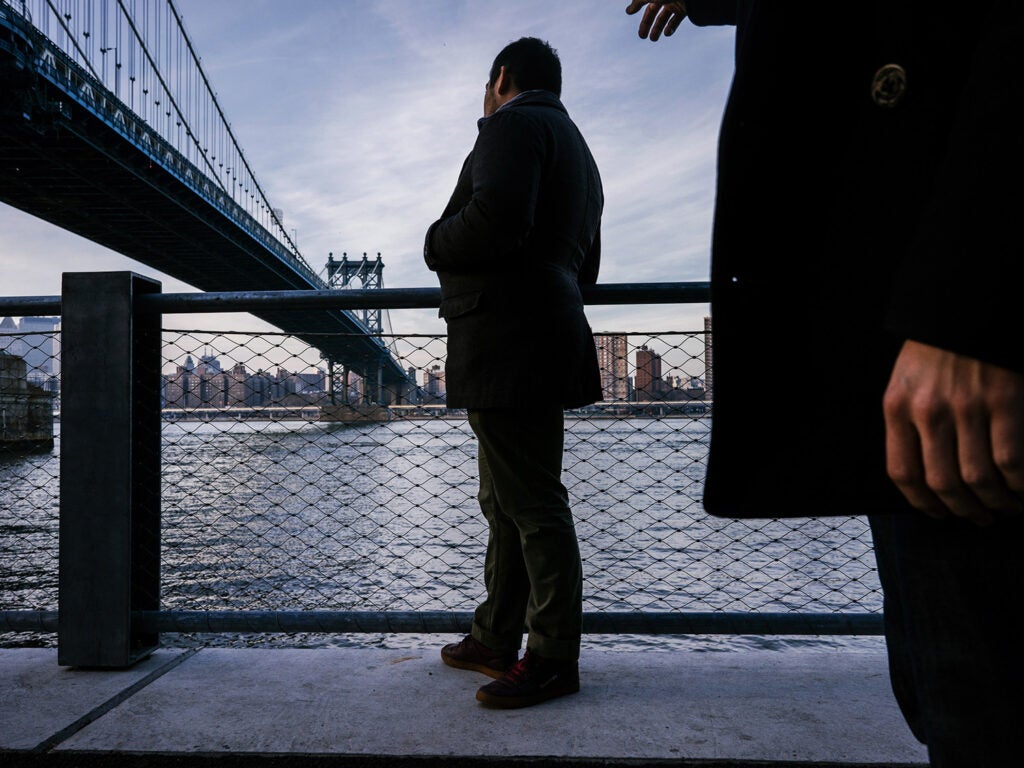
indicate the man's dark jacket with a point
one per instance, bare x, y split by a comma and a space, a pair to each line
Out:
518, 237
855, 210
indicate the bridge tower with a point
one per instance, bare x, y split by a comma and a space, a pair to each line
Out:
370, 274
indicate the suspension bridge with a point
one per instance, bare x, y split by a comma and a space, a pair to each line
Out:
109, 128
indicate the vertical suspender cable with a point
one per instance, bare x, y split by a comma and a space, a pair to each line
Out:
154, 67
64, 23
283, 233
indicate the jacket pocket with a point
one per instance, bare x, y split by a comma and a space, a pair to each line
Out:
457, 306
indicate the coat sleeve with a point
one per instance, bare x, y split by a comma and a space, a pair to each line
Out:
505, 168
706, 13
960, 286
591, 262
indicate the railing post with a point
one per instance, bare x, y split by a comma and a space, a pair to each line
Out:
109, 470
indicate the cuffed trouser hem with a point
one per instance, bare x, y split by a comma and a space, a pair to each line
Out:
496, 642
557, 649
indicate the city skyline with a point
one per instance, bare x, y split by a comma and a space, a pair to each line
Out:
206, 381
37, 341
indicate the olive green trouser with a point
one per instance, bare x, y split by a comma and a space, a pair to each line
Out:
532, 572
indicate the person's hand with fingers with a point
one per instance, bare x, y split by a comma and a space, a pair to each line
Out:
955, 434
658, 18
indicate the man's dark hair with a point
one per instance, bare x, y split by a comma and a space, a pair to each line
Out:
531, 63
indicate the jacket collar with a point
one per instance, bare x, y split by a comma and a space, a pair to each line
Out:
538, 97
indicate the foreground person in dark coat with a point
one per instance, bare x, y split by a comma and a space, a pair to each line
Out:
867, 246
518, 237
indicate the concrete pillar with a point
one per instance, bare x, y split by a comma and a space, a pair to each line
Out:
109, 470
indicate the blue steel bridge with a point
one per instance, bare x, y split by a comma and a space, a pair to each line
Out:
110, 129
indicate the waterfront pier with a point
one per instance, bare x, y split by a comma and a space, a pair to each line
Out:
374, 707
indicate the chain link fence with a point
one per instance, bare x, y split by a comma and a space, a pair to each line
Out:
29, 474
292, 484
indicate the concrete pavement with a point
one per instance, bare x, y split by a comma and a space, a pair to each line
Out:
759, 707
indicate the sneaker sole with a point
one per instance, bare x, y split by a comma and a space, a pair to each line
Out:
515, 702
473, 666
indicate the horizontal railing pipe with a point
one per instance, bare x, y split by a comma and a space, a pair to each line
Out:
401, 298
249, 301
28, 621
647, 293
30, 306
600, 623
594, 623
372, 298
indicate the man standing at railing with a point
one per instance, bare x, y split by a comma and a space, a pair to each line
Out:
518, 237
867, 241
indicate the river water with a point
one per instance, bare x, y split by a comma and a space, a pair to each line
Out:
292, 515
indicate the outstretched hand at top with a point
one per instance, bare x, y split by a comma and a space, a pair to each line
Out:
658, 17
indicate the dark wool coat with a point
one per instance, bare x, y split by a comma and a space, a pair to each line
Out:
859, 204
518, 237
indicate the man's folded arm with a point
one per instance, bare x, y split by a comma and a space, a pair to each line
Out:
506, 171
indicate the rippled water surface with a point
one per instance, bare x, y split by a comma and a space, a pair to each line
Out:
312, 516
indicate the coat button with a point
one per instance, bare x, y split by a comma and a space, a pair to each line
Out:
889, 85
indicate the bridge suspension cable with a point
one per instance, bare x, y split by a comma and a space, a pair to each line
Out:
227, 126
167, 85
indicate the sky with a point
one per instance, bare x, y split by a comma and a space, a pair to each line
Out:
356, 117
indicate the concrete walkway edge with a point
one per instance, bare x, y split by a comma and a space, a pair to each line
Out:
344, 707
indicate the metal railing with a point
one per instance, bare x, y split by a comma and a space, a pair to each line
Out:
233, 482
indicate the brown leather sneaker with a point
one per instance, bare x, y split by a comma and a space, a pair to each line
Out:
532, 680
470, 653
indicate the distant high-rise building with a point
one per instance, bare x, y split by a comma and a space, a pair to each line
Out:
238, 385
648, 374
613, 365
36, 344
434, 383
259, 389
10, 343
311, 382
36, 341
212, 363
709, 367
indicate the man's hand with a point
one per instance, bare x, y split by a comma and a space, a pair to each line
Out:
955, 434
659, 17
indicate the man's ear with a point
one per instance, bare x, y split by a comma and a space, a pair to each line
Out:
504, 82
